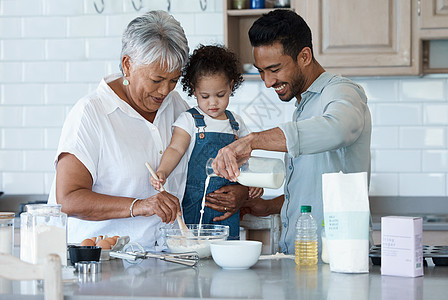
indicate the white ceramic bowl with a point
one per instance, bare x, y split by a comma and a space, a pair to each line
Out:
235, 254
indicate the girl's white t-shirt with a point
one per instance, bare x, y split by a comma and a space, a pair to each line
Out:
186, 122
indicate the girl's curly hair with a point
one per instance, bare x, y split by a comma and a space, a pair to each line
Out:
209, 60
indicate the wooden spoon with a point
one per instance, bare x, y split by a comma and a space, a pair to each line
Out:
183, 227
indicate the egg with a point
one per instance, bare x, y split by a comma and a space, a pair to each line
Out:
87, 242
115, 237
111, 241
103, 244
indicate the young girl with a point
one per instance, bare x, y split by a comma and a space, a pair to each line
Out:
211, 76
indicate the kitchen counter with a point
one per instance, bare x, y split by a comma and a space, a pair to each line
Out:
268, 279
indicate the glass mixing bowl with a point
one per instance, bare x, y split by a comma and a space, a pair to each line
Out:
196, 239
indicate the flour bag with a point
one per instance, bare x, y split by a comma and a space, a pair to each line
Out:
347, 215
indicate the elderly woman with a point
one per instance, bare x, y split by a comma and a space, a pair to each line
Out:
101, 179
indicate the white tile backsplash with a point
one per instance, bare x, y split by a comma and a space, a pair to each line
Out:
26, 49
65, 93
431, 184
398, 114
10, 27
423, 90
208, 24
21, 8
38, 160
63, 7
188, 24
381, 90
24, 182
398, 161
104, 48
44, 116
435, 160
116, 24
43, 71
435, 114
53, 52
11, 72
22, 138
51, 138
385, 137
87, 26
48, 180
384, 184
44, 27
11, 116
23, 94
11, 160
85, 71
66, 49
423, 137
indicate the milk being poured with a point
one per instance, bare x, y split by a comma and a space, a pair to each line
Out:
256, 171
207, 181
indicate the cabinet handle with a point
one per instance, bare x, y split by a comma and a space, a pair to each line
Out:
419, 7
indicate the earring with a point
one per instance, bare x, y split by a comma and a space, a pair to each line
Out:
125, 81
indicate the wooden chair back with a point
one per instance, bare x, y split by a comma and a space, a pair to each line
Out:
51, 272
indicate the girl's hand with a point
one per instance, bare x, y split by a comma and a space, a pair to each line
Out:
158, 184
255, 192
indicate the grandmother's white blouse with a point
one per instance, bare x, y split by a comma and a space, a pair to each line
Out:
113, 142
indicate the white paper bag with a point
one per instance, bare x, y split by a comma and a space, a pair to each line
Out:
346, 214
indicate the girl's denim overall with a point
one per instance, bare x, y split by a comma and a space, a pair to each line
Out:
207, 146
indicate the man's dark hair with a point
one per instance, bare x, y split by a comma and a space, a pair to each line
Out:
284, 26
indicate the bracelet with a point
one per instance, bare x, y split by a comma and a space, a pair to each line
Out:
132, 206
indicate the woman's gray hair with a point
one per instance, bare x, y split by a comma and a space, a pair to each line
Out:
155, 36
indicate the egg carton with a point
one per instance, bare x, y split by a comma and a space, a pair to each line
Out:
121, 241
438, 254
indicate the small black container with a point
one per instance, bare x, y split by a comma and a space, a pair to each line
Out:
84, 253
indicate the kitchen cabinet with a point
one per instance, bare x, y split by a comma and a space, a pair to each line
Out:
433, 25
433, 15
352, 37
356, 38
237, 23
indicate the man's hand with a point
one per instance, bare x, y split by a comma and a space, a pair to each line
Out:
256, 207
227, 199
225, 163
262, 208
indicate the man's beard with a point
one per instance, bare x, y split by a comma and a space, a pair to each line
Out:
296, 86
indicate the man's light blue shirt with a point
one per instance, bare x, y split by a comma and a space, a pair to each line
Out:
330, 132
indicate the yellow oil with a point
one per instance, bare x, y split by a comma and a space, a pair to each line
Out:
306, 253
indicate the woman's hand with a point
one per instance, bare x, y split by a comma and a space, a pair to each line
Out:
165, 205
227, 199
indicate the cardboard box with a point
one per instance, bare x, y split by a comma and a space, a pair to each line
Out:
401, 246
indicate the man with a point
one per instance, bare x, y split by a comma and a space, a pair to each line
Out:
330, 130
